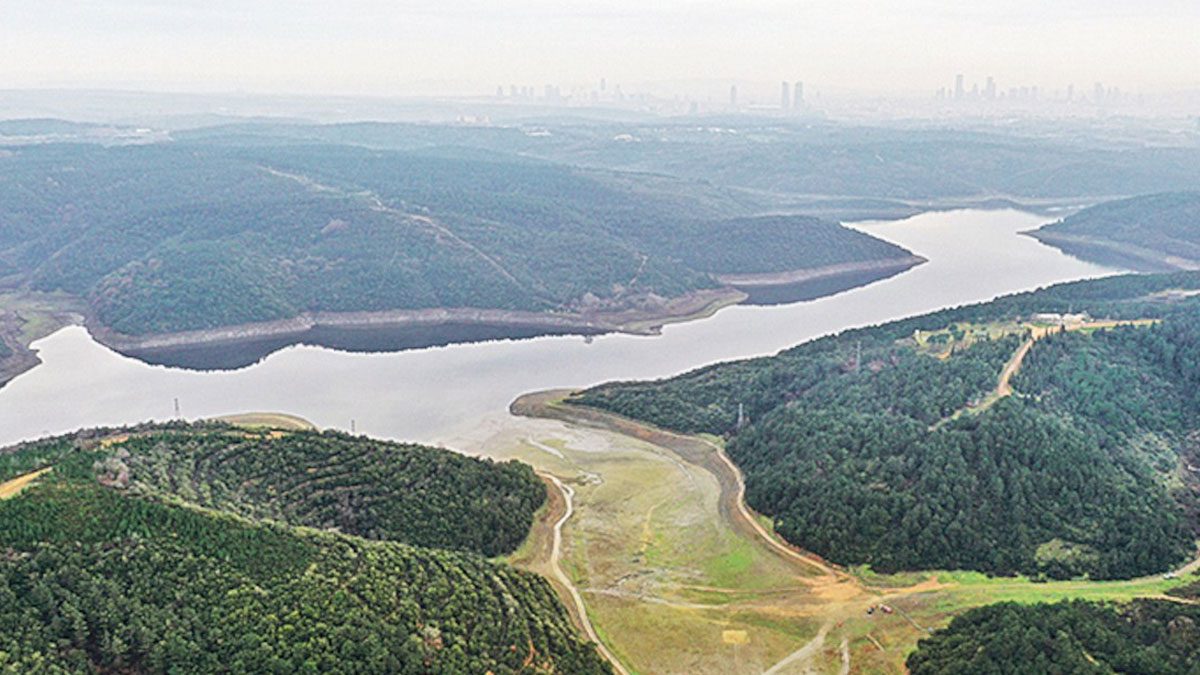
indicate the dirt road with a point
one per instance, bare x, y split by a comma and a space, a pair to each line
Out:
14, 486
561, 577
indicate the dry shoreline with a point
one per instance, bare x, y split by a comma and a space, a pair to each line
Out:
695, 305
639, 322
635, 321
1099, 249
792, 277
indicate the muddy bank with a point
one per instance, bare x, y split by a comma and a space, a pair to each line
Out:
809, 284
806, 274
27, 317
1113, 253
397, 330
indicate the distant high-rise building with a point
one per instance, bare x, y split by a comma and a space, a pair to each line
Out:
785, 96
1070, 92
733, 95
1098, 92
990, 91
500, 91
603, 83
512, 91
959, 90
798, 95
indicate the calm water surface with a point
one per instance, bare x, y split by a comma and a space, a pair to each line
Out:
432, 394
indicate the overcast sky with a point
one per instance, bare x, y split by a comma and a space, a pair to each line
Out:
396, 46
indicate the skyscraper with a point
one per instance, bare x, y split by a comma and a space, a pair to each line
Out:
959, 91
733, 95
798, 95
785, 96
990, 92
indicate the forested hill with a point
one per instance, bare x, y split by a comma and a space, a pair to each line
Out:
177, 549
1145, 636
806, 159
205, 234
916, 455
1151, 233
329, 480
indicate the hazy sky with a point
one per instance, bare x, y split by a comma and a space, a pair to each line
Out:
394, 46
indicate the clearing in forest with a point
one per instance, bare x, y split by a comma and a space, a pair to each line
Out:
13, 487
942, 344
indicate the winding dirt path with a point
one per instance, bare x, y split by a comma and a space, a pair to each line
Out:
568, 495
1004, 386
804, 654
695, 450
1004, 383
375, 203
769, 539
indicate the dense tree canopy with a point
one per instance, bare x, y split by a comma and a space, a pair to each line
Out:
1142, 637
907, 460
130, 556
206, 234
1152, 232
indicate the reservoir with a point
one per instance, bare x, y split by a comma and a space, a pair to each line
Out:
435, 393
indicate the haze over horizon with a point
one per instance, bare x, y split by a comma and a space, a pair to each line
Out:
470, 46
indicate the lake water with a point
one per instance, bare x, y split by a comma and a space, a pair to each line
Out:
434, 394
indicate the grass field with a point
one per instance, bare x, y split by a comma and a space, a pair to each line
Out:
669, 587
674, 585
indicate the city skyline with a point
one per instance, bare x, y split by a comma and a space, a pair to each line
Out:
468, 46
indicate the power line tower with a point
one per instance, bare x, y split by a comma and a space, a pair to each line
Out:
741, 421
857, 356
177, 415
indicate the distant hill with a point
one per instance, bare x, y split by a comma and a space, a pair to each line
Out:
983, 437
1144, 636
810, 159
1157, 232
42, 127
176, 237
192, 548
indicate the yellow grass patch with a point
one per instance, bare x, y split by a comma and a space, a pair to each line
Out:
13, 487
734, 637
